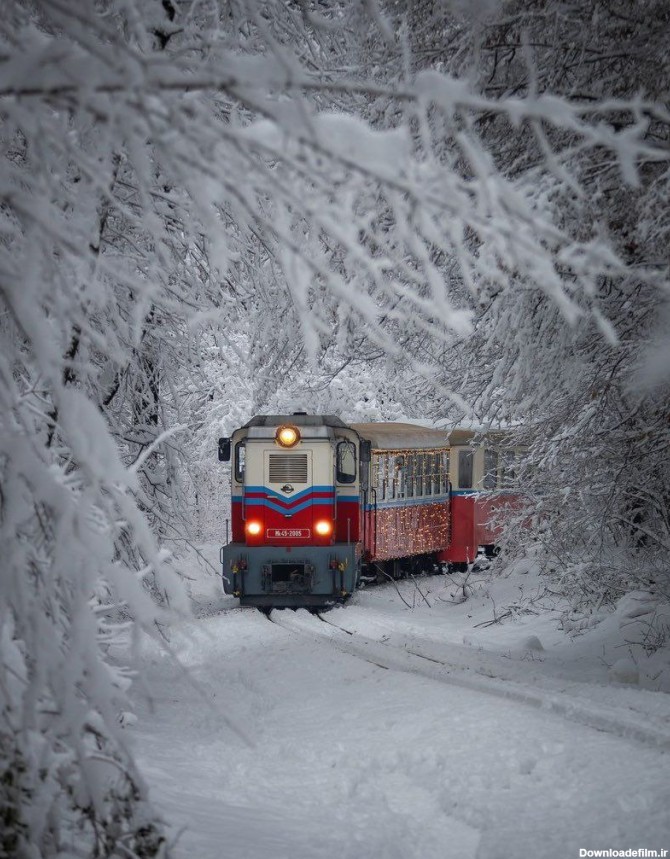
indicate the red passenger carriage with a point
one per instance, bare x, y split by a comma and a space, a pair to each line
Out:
406, 514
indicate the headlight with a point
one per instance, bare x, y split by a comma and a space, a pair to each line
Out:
254, 528
287, 436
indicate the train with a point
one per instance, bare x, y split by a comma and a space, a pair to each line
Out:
319, 506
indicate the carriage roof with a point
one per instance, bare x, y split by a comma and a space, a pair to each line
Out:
400, 436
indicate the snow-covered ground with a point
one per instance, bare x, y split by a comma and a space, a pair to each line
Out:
406, 725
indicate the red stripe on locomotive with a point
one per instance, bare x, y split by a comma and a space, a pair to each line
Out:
348, 523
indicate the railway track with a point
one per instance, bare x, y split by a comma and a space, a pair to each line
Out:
601, 717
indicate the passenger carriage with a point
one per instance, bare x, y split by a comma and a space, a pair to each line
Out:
484, 491
406, 513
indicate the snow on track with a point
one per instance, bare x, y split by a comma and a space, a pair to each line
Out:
380, 743
401, 658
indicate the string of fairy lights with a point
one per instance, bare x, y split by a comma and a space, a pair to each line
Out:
411, 530
410, 473
404, 473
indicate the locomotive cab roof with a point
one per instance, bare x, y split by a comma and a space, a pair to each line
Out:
298, 419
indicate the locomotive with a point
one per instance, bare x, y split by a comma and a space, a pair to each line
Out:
318, 505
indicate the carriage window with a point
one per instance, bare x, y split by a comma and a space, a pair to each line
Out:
444, 472
383, 469
419, 461
409, 476
508, 470
490, 469
346, 462
400, 476
465, 458
240, 461
428, 473
437, 474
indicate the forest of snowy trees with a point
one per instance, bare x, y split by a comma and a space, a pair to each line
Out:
448, 210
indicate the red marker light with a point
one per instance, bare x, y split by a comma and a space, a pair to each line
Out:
323, 527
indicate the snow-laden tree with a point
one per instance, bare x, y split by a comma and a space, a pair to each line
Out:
279, 179
590, 389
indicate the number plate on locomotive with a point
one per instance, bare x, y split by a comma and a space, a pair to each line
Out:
288, 533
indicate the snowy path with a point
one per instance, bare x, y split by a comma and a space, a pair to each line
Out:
357, 748
400, 650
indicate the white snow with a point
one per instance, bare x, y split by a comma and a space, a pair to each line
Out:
423, 730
